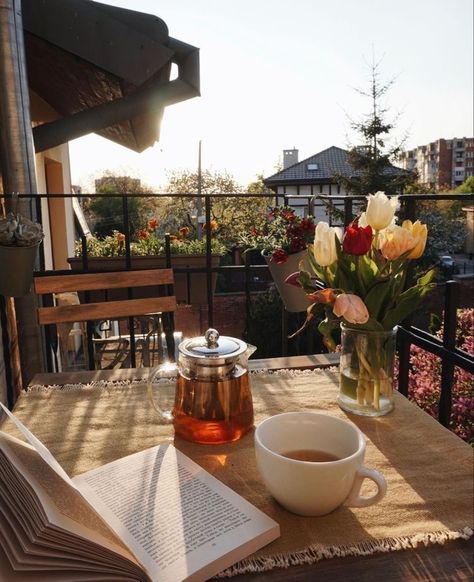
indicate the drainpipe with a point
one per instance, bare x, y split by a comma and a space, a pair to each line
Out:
18, 175
16, 137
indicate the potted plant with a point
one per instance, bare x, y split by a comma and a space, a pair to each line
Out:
19, 242
364, 271
283, 240
148, 251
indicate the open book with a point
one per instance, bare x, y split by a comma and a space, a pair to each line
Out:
154, 515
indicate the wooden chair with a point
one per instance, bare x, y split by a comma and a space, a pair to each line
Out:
159, 309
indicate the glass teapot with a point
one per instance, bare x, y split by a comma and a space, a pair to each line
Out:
213, 402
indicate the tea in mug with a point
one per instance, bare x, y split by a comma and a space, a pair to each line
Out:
311, 455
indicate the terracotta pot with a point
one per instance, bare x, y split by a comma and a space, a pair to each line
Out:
17, 265
294, 298
195, 295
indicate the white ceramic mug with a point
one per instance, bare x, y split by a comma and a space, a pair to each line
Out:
314, 488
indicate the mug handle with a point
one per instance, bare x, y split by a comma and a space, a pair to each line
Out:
357, 500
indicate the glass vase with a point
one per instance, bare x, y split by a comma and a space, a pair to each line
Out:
366, 371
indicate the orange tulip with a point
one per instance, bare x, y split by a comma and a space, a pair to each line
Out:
326, 296
396, 241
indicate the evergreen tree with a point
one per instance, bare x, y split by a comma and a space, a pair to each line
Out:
373, 160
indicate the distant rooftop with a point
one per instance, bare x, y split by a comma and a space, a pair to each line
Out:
319, 168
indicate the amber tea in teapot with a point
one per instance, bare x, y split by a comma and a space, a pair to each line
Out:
213, 402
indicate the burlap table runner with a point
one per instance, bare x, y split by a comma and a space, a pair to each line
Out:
428, 469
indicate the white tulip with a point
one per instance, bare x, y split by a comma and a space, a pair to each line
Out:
325, 244
380, 210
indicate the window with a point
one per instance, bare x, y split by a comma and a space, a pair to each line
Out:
312, 167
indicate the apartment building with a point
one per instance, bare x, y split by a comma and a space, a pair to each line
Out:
442, 163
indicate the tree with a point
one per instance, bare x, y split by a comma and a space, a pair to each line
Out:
107, 211
467, 187
230, 215
258, 187
373, 160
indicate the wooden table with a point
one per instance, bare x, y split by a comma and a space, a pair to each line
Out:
451, 561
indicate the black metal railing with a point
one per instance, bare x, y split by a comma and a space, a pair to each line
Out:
408, 335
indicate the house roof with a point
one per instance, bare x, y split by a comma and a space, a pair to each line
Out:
330, 161
105, 70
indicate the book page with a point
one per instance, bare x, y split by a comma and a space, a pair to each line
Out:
38, 445
180, 521
58, 509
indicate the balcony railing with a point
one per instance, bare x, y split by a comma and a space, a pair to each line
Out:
345, 208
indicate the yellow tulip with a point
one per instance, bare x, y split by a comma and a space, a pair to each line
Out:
419, 232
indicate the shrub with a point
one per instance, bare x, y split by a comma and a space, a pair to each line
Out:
424, 381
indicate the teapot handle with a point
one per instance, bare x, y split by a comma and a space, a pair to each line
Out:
161, 372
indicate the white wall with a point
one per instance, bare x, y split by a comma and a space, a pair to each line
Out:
59, 155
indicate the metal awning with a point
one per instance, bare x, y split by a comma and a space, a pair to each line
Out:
103, 69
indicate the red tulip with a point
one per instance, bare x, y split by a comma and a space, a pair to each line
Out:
357, 240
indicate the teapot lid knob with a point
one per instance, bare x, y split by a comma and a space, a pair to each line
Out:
211, 336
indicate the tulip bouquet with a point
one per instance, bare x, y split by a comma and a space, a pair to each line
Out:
364, 271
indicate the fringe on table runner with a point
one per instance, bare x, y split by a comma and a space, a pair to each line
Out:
315, 553
123, 384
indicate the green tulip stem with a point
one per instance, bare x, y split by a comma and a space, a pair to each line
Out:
366, 373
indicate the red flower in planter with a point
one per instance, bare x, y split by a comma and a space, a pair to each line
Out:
153, 224
283, 233
297, 244
357, 240
288, 215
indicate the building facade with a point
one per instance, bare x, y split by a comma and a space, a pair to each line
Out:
444, 163
311, 177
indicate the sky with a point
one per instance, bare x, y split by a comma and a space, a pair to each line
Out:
278, 74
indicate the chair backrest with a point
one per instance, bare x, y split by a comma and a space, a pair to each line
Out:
101, 282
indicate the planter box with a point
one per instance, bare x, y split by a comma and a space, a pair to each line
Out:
17, 264
294, 298
195, 295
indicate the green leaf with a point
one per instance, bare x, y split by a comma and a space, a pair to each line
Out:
345, 278
376, 297
319, 271
326, 327
366, 273
406, 304
427, 278
306, 282
370, 325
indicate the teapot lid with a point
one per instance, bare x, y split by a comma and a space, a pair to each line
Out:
212, 346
